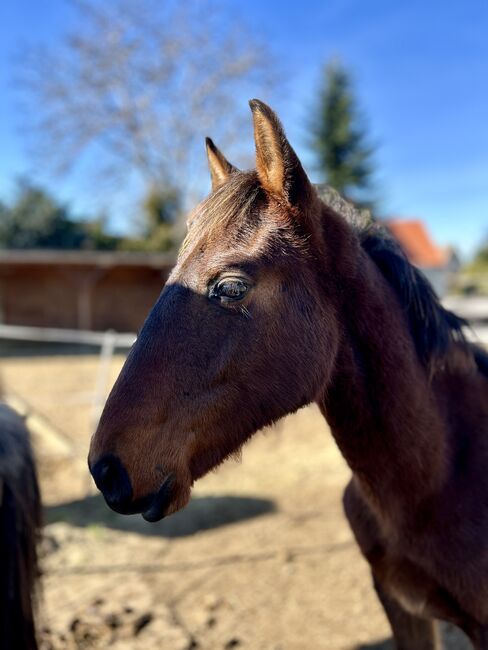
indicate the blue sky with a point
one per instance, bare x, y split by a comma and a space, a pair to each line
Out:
421, 76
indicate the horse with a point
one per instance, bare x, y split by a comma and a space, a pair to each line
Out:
20, 525
277, 301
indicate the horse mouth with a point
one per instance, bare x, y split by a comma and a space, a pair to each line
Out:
160, 501
152, 507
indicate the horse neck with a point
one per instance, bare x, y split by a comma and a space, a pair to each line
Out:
380, 404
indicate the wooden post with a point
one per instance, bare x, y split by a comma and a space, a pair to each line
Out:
2, 313
85, 294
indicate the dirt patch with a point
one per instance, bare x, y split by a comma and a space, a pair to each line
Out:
261, 559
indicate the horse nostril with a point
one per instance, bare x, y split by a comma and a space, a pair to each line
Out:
104, 475
112, 480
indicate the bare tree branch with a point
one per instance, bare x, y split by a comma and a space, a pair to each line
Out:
142, 81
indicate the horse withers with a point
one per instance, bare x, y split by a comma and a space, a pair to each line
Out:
277, 301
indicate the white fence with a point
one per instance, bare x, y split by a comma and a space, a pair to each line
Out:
473, 308
107, 341
478, 334
58, 335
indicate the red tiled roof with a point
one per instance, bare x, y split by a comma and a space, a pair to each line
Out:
416, 243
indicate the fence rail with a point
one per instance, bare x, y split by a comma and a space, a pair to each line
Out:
473, 308
58, 335
56, 442
107, 341
478, 334
110, 340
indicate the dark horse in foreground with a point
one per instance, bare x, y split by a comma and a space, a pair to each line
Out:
277, 301
20, 522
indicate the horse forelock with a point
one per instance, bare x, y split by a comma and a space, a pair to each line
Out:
238, 218
229, 206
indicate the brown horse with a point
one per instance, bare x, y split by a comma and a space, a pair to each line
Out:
277, 301
20, 524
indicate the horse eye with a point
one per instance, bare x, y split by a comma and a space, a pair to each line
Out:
228, 290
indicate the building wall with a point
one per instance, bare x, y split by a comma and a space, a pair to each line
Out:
441, 279
37, 296
78, 297
123, 297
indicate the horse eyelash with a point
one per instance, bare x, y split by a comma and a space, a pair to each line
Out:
245, 311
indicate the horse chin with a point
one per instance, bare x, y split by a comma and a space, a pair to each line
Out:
168, 499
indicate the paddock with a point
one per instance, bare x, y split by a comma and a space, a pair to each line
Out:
261, 559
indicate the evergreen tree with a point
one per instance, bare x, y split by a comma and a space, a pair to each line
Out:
36, 220
339, 138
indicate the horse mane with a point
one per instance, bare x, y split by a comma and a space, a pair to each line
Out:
434, 328
436, 331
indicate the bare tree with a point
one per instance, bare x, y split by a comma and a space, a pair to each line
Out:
138, 84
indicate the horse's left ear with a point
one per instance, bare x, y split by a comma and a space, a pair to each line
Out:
220, 167
279, 169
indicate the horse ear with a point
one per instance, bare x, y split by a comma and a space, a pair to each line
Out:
220, 167
279, 169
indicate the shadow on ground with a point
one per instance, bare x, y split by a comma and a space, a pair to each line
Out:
387, 644
202, 513
452, 639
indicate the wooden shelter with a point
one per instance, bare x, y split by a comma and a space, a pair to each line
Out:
88, 290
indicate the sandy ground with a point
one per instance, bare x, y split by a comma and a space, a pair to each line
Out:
261, 559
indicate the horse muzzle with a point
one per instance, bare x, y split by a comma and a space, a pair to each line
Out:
113, 481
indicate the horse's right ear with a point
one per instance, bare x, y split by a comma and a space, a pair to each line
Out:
220, 167
279, 169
